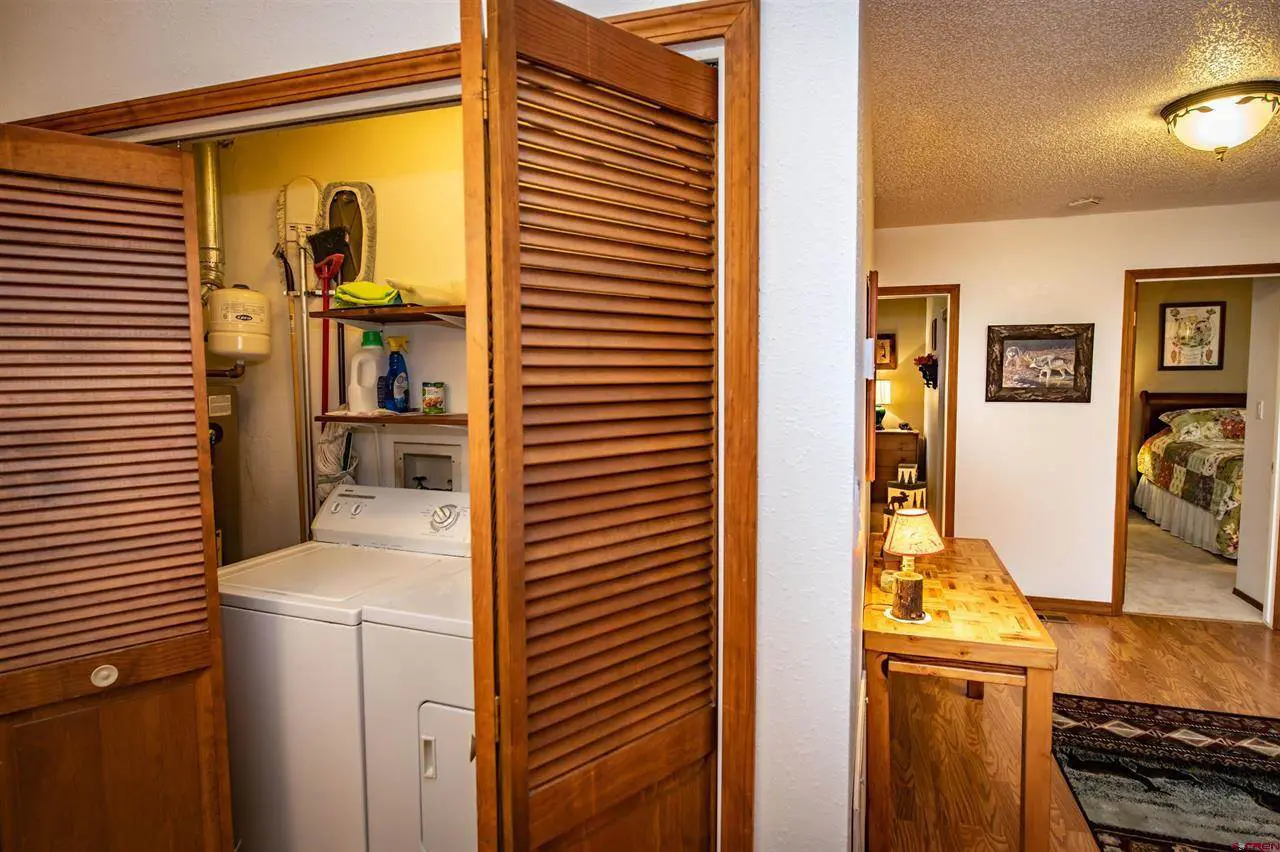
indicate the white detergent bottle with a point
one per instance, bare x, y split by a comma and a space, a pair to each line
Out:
366, 366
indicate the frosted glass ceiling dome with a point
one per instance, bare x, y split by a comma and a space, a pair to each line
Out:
1222, 118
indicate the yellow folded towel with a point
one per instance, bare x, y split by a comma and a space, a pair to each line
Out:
365, 294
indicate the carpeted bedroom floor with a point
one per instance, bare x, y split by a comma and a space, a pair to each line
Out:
1167, 576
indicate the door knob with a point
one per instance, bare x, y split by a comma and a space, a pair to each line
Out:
104, 676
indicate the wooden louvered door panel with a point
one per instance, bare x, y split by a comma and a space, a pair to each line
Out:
105, 537
602, 204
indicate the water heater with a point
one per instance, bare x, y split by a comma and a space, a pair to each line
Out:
239, 324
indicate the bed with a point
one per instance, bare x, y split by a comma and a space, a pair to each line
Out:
1191, 466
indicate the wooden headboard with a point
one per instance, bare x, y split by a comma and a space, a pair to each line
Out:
1155, 404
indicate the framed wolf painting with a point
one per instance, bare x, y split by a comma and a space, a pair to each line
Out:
1039, 363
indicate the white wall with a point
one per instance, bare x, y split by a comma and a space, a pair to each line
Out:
74, 53
1254, 569
1038, 479
809, 296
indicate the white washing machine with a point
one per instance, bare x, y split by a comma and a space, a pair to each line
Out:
292, 634
419, 718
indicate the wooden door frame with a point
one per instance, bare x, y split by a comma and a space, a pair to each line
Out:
952, 292
1128, 350
737, 23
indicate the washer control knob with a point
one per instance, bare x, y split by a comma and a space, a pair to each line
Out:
444, 517
335, 508
104, 676
357, 509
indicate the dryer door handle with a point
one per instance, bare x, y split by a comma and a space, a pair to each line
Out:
429, 758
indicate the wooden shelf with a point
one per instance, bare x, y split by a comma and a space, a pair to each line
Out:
376, 317
396, 419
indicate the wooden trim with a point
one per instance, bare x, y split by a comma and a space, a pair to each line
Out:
101, 160
869, 386
1128, 318
739, 496
672, 25
1256, 604
508, 449
1124, 427
1041, 605
878, 784
480, 425
952, 292
292, 87
1241, 270
956, 671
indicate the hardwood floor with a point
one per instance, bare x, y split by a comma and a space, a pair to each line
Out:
956, 762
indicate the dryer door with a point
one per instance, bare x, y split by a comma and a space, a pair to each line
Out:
447, 774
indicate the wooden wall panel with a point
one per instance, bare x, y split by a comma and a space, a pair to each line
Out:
126, 773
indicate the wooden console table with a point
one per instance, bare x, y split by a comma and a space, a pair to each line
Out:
982, 630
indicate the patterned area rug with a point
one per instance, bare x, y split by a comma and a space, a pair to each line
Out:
1164, 779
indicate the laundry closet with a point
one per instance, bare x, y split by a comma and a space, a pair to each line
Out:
362, 470
348, 657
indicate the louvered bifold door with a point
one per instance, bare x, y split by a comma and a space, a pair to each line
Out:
103, 456
602, 157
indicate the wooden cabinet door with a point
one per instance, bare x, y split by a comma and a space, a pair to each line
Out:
107, 575
123, 772
592, 194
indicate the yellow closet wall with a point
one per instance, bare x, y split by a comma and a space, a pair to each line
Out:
413, 161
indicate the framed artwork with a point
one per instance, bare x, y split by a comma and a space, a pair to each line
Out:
1192, 335
1039, 363
886, 351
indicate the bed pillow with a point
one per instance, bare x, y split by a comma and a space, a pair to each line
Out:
1206, 424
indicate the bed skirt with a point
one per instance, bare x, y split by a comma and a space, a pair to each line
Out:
1187, 521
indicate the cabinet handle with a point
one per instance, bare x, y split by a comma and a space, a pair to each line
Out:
104, 676
473, 748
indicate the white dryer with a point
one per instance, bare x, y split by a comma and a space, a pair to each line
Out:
420, 718
292, 634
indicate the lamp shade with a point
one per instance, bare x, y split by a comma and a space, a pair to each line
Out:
884, 392
1222, 118
912, 534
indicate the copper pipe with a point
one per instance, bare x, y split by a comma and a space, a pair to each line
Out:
234, 372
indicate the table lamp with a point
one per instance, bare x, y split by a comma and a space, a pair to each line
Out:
884, 396
912, 534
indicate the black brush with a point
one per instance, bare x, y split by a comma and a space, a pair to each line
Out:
328, 243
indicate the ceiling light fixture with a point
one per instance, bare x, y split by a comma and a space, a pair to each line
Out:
1223, 117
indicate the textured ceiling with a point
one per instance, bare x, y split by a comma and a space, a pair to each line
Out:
1004, 109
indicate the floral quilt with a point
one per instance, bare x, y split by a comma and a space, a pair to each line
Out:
1207, 473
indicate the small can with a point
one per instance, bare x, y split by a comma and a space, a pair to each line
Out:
433, 398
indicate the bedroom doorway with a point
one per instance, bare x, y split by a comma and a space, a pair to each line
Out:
1196, 500
917, 343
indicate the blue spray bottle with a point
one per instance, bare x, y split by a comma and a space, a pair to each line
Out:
398, 375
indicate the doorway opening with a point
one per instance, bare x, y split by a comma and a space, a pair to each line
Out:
1196, 504
916, 359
